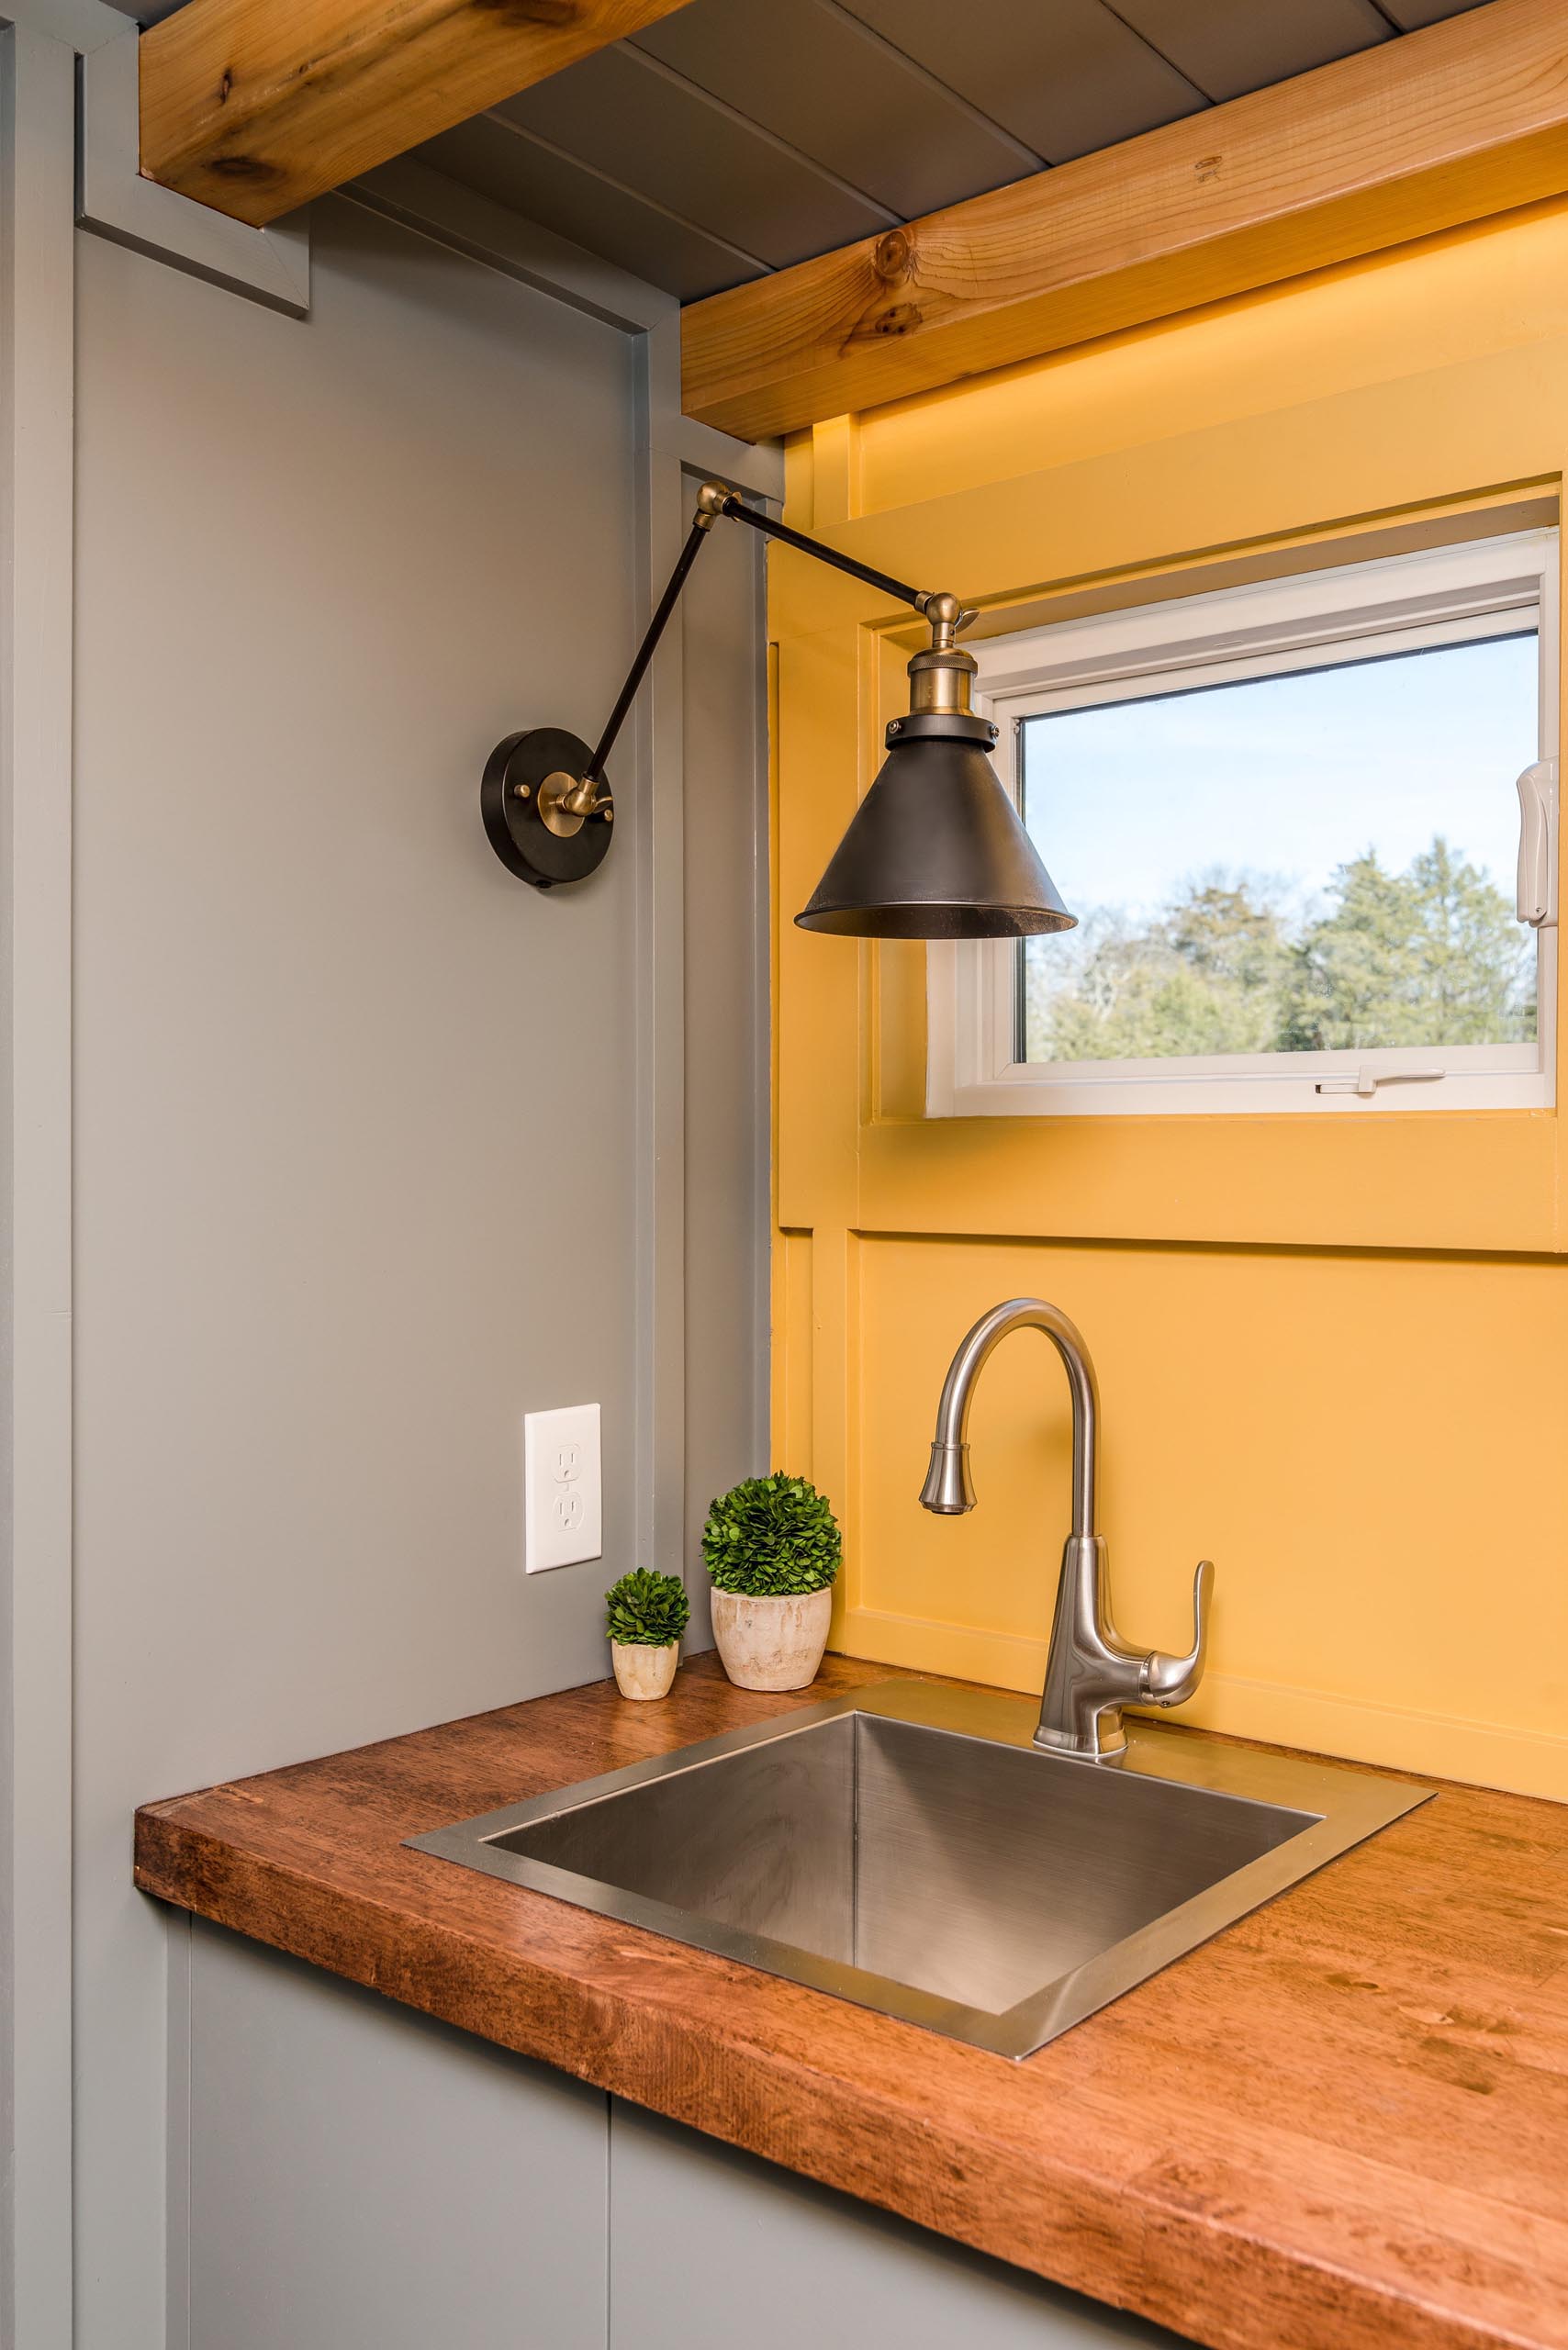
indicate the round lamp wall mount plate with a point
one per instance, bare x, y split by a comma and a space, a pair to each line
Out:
529, 779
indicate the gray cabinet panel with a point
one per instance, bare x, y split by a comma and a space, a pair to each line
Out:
709, 2246
362, 2178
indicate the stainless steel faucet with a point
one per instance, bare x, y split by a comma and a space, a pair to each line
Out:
1091, 1673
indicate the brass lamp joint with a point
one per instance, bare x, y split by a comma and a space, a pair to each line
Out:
939, 676
565, 802
948, 616
711, 499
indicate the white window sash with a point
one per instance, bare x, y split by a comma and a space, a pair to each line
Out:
1367, 612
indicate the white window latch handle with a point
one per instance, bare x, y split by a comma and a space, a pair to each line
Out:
1365, 1081
1537, 845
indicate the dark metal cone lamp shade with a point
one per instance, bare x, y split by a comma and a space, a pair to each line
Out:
937, 849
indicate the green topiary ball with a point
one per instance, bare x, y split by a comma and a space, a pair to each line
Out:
645, 1610
772, 1537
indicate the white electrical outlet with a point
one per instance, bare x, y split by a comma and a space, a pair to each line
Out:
563, 1509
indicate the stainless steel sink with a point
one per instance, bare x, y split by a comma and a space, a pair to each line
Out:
912, 1848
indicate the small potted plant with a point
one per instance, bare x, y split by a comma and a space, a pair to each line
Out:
772, 1545
646, 1615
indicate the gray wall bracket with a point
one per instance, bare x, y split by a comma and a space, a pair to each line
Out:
267, 266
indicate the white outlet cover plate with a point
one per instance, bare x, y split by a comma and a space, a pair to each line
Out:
563, 1502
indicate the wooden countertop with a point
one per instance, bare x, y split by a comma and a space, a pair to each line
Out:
1343, 2123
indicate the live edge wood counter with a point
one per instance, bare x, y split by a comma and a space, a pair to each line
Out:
1342, 2124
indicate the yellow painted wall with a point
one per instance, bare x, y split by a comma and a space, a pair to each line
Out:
1333, 1352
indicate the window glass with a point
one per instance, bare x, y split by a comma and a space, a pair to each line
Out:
1314, 861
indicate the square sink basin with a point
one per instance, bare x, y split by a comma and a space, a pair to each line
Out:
910, 1848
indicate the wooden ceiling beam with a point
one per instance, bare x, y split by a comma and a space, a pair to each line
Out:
1468, 117
254, 107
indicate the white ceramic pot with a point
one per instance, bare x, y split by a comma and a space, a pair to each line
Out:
642, 1671
771, 1643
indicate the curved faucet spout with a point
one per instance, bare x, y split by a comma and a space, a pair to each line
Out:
948, 1489
1090, 1671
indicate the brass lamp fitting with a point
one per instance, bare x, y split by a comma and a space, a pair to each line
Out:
711, 500
939, 676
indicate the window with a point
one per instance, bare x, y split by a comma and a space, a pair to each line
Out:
1291, 823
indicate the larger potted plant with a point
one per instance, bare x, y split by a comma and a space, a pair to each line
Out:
772, 1547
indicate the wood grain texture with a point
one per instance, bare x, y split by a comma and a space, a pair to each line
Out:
1342, 2125
1465, 118
254, 109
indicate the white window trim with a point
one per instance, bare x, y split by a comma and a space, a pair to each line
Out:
1449, 595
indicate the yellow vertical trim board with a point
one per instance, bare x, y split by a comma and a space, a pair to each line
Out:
1326, 1347
794, 1323
836, 472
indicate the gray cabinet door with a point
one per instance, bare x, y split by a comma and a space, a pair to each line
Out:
362, 2178
709, 2247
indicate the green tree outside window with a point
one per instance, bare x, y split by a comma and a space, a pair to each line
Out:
1432, 956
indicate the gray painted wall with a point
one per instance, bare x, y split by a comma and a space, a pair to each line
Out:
357, 1142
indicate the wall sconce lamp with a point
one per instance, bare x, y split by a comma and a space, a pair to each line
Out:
936, 849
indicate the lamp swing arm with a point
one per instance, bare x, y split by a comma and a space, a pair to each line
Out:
714, 499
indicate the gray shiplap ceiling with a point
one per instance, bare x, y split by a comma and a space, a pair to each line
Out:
738, 136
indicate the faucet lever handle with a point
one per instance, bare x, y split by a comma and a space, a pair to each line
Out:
1170, 1680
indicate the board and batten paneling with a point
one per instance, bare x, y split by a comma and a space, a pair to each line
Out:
1325, 1346
363, 1120
318, 572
